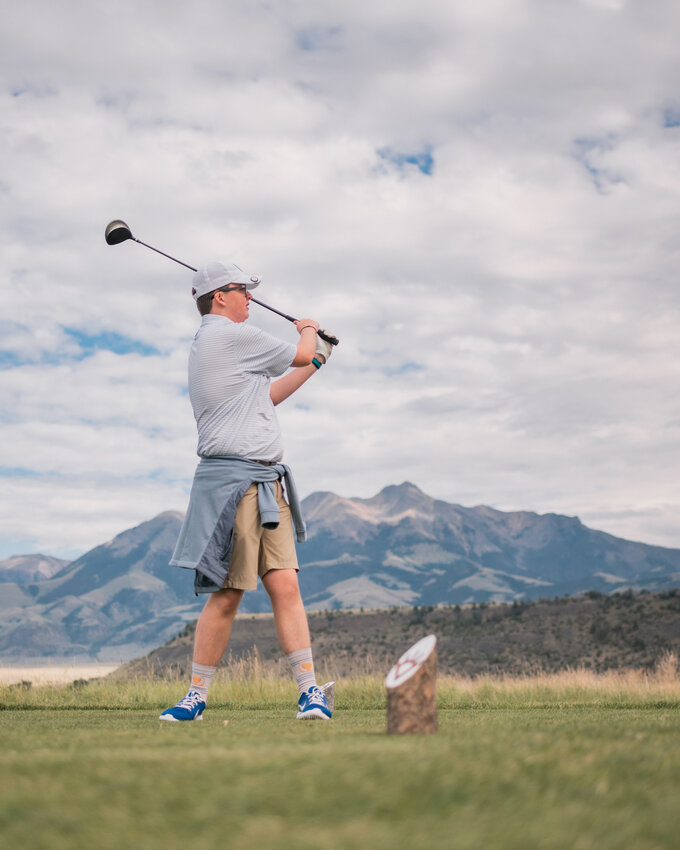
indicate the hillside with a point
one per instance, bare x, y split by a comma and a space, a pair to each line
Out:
627, 630
112, 603
399, 548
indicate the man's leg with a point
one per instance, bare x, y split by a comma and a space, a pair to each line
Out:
210, 641
292, 629
290, 616
214, 626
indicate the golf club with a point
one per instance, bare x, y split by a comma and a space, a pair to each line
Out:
117, 231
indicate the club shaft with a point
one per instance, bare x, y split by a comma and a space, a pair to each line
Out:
327, 337
174, 259
332, 339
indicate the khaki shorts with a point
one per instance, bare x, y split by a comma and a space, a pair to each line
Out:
256, 550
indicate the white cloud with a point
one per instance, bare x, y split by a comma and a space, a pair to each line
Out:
509, 321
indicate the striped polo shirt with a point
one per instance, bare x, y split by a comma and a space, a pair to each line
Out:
230, 367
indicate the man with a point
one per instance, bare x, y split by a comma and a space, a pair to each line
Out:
238, 524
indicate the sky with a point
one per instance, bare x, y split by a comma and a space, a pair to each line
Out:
480, 198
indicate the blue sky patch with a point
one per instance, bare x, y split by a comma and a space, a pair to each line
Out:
8, 360
34, 91
109, 341
671, 118
17, 472
312, 39
12, 360
403, 369
87, 345
423, 160
585, 152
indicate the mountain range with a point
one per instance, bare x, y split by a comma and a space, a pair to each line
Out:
398, 548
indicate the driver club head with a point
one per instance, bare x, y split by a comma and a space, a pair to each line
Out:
117, 231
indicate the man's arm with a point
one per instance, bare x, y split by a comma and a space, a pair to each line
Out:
307, 329
283, 388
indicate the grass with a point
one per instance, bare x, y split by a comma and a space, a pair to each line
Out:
572, 760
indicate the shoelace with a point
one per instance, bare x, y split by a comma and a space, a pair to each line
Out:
191, 700
317, 697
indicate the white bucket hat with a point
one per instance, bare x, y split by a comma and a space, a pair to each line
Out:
215, 275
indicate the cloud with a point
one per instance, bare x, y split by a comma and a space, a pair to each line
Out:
479, 199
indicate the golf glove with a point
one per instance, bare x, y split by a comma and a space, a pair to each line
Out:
323, 347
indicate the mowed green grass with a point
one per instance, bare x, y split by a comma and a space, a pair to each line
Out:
560, 772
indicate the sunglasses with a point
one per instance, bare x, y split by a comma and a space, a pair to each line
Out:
235, 287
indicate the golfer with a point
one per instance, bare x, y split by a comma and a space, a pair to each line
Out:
243, 503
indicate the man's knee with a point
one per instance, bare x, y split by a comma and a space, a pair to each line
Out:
282, 585
226, 600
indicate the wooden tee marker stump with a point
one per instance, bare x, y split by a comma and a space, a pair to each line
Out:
412, 690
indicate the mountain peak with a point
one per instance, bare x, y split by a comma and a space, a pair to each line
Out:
406, 488
357, 519
26, 569
398, 499
171, 515
164, 526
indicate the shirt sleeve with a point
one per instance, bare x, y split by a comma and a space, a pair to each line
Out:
262, 353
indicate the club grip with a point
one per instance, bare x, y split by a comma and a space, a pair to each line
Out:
328, 337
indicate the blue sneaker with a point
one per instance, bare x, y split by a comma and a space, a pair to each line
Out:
312, 704
190, 707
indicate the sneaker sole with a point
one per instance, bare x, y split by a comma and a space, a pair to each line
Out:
177, 720
312, 714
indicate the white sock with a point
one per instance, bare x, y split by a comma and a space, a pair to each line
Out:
302, 666
201, 677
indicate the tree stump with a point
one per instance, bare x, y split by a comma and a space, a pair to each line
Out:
412, 690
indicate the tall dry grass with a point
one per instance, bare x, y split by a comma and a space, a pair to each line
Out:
251, 682
569, 687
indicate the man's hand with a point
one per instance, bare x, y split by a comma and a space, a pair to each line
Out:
323, 349
301, 324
